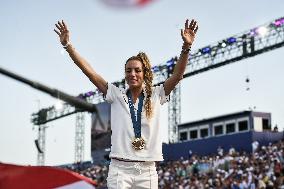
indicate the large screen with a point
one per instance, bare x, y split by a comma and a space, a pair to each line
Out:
100, 132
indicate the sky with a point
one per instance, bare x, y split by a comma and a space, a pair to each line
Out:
106, 36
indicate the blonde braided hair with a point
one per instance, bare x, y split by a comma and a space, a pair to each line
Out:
148, 80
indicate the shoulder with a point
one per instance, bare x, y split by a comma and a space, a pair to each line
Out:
158, 89
113, 91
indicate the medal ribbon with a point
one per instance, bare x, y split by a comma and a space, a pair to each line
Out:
136, 120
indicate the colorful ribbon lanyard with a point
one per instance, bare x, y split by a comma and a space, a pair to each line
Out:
136, 120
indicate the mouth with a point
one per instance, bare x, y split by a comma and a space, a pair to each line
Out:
132, 82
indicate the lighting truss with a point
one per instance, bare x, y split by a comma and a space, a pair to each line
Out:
244, 45
247, 44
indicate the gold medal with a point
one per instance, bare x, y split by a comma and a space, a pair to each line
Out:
138, 143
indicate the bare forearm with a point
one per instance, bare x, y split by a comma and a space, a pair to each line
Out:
188, 35
79, 61
182, 62
86, 68
63, 33
179, 70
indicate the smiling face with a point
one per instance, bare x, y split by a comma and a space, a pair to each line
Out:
134, 74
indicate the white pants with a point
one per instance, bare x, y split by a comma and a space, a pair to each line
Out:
135, 175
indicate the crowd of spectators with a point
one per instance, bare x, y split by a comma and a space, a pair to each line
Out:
261, 169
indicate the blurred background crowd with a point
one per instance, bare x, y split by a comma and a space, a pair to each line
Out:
261, 169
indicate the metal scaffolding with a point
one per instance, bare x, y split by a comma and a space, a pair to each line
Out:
79, 137
41, 145
174, 114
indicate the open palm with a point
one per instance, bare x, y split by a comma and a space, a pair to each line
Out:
189, 31
62, 32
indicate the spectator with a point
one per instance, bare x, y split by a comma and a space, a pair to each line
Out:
255, 145
262, 169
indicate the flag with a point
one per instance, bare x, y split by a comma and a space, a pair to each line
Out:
127, 3
41, 177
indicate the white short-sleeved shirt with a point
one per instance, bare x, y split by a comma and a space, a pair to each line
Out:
122, 128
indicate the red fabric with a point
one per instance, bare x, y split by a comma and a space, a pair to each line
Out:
143, 2
37, 177
127, 3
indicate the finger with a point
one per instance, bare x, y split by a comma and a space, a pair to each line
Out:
181, 32
194, 25
60, 24
191, 24
195, 30
58, 27
61, 28
64, 25
186, 24
57, 32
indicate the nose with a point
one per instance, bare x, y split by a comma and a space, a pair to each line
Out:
132, 73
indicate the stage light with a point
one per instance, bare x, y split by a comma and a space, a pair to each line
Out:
170, 65
59, 105
86, 95
206, 50
279, 22
253, 32
170, 62
213, 52
89, 94
231, 40
222, 44
262, 31
155, 69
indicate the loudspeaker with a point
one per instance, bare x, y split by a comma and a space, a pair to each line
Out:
38, 147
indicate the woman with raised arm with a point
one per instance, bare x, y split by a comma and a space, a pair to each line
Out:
135, 142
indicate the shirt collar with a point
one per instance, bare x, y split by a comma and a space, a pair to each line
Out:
143, 88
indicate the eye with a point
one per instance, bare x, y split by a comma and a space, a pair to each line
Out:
138, 70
